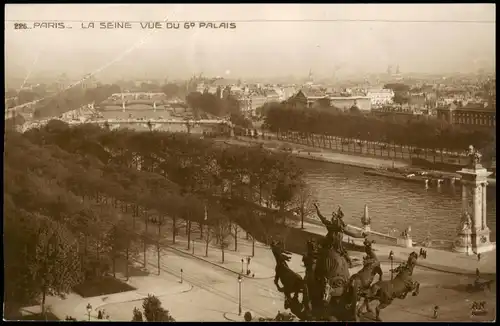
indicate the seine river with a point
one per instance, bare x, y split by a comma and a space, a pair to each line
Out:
393, 205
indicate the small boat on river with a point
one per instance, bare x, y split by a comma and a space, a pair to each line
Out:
411, 177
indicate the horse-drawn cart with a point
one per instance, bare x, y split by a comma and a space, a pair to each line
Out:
479, 285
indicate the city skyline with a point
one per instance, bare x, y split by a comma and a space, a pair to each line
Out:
282, 40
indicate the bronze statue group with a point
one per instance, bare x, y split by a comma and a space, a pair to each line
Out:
329, 292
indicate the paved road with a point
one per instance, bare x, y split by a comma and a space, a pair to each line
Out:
216, 292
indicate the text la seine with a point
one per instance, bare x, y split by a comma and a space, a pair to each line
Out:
157, 25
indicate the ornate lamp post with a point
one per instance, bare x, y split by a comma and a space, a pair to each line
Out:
365, 220
239, 294
89, 310
391, 258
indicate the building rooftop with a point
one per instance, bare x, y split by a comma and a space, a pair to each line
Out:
313, 93
355, 97
380, 90
271, 93
480, 107
475, 107
224, 82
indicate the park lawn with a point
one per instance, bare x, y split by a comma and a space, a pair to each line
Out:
101, 286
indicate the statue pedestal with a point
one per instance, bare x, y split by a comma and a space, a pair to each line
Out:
474, 234
481, 241
473, 242
463, 243
405, 242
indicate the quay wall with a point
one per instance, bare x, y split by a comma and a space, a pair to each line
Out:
366, 162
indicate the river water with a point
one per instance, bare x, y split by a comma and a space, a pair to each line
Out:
393, 205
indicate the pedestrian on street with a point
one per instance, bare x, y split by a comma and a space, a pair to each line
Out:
478, 257
477, 273
436, 308
99, 314
425, 254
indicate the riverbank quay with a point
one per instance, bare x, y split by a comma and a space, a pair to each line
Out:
437, 259
318, 154
262, 263
328, 156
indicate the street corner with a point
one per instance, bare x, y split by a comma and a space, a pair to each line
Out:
84, 310
159, 286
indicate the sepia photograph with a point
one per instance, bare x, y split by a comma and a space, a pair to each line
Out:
250, 162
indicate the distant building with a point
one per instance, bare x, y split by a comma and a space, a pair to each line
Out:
272, 96
476, 114
222, 82
201, 88
363, 103
418, 100
311, 98
285, 92
255, 99
63, 82
380, 97
236, 89
215, 90
307, 97
88, 81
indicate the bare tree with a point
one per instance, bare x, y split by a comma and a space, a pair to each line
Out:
208, 236
304, 199
123, 239
235, 229
159, 221
222, 230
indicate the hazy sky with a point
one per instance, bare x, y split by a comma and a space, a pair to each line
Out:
282, 39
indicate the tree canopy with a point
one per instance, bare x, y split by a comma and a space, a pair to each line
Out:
212, 104
421, 133
76, 198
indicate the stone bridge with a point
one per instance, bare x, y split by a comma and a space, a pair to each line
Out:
23, 108
137, 96
124, 105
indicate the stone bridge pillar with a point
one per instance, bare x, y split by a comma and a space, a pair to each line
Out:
473, 233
